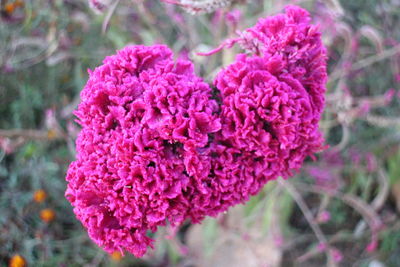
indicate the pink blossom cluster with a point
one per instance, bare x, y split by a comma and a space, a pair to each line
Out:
268, 122
156, 147
141, 156
271, 103
299, 44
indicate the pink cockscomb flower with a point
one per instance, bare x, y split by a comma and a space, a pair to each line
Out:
299, 43
271, 105
142, 148
156, 148
296, 41
268, 120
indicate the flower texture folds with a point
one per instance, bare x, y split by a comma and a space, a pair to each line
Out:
155, 147
141, 151
271, 105
299, 44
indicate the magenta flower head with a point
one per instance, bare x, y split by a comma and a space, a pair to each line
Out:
142, 148
156, 148
271, 104
299, 44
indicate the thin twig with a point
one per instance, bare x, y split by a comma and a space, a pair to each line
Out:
365, 210
378, 201
304, 208
382, 121
307, 213
368, 61
68, 110
383, 194
108, 16
29, 134
345, 138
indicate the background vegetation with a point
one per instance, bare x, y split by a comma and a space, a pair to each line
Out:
342, 210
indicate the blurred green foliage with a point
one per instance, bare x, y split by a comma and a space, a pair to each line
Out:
44, 57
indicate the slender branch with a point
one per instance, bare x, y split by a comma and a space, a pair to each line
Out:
368, 61
307, 214
383, 194
30, 134
366, 211
108, 16
382, 121
345, 138
304, 208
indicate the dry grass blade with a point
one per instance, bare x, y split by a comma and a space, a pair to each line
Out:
309, 217
109, 14
367, 61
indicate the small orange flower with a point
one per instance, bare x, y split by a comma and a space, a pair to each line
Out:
9, 8
47, 215
39, 196
116, 256
17, 261
51, 134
